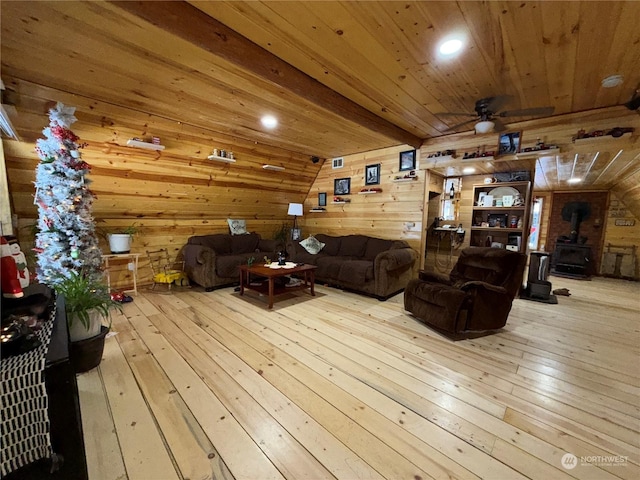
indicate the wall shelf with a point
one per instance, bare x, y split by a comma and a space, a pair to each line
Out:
538, 153
339, 203
369, 192
444, 158
488, 158
521, 208
217, 158
146, 145
412, 179
497, 229
318, 210
601, 138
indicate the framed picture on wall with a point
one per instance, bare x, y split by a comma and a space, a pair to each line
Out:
342, 186
322, 199
407, 160
509, 142
372, 174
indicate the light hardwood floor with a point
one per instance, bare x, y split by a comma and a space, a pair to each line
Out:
202, 385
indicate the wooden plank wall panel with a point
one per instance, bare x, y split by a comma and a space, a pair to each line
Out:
622, 236
395, 213
169, 195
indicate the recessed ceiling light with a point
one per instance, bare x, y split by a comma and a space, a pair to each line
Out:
612, 81
269, 121
574, 180
449, 47
468, 170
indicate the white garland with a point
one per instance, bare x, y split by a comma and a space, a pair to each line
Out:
66, 240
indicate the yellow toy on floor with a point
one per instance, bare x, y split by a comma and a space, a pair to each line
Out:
164, 271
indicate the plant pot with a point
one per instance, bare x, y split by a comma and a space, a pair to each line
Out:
77, 331
87, 354
120, 242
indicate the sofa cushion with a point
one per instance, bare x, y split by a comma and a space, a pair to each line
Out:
244, 243
312, 245
376, 246
227, 266
329, 266
356, 271
353, 246
331, 244
306, 257
218, 242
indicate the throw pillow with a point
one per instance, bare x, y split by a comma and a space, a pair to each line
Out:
237, 227
312, 245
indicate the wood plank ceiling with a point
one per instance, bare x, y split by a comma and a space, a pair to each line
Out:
342, 77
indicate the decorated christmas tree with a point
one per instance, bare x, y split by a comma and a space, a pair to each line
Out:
66, 240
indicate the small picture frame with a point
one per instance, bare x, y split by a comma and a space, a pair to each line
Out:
509, 143
342, 186
507, 200
407, 160
487, 201
372, 174
322, 199
296, 233
481, 196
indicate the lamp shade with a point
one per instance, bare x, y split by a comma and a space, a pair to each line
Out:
485, 126
295, 209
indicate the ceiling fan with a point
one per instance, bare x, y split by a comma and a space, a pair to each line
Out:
488, 114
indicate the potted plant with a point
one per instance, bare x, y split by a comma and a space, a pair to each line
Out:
282, 236
120, 242
88, 305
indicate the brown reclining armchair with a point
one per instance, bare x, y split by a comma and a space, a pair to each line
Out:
477, 294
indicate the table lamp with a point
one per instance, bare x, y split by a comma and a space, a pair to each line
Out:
295, 209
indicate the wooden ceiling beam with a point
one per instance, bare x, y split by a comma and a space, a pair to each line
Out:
196, 27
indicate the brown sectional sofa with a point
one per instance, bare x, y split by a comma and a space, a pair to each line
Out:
369, 265
213, 260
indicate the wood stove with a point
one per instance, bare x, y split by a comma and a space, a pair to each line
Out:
571, 259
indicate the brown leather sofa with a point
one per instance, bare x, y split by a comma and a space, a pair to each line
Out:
212, 260
369, 265
476, 295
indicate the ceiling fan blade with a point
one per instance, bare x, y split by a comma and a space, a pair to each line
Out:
495, 104
499, 126
455, 127
457, 114
528, 112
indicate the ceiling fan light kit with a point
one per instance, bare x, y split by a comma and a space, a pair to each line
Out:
488, 114
485, 126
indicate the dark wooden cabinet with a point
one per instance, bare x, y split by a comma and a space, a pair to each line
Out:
64, 412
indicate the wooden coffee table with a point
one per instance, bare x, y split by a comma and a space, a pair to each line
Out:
271, 274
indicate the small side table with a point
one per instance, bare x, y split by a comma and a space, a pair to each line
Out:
131, 258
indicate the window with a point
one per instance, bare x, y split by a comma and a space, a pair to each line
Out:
451, 198
536, 215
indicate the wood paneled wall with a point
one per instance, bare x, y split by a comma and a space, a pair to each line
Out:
169, 195
394, 213
622, 236
176, 193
